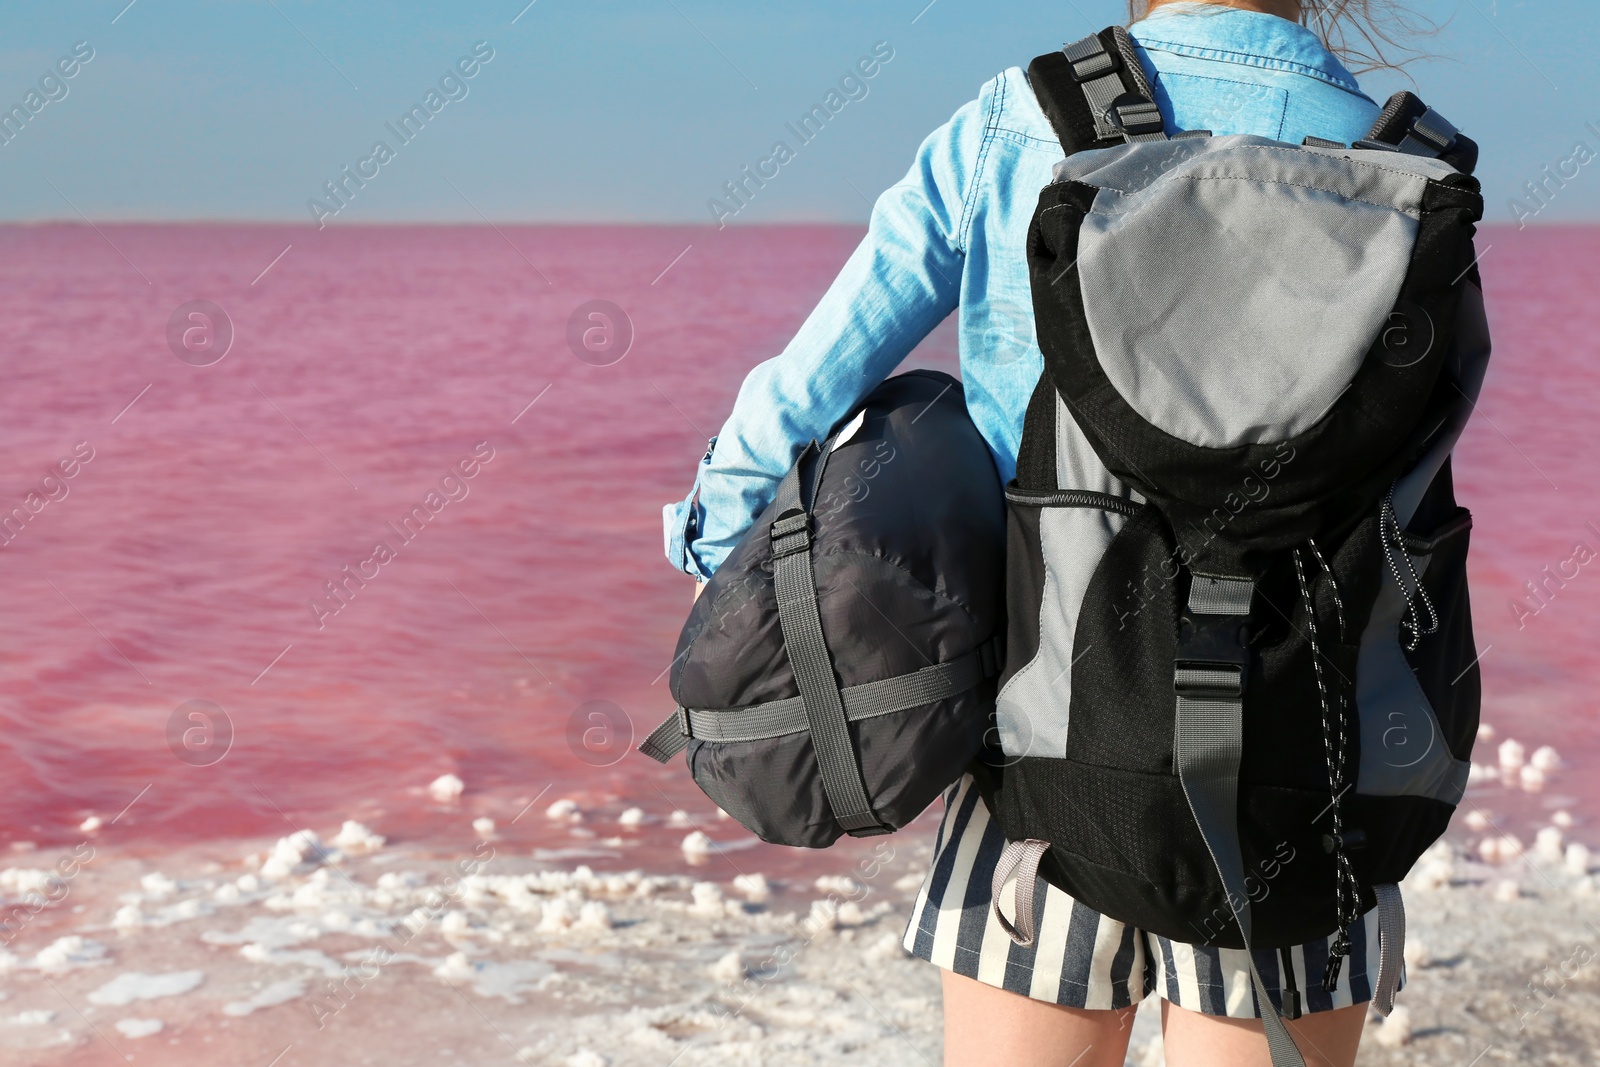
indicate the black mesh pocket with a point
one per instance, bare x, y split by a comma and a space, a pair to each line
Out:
1123, 714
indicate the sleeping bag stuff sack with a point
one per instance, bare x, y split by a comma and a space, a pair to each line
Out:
838, 672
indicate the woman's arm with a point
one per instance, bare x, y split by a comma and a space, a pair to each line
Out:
900, 282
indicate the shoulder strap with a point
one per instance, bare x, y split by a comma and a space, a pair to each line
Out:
1095, 93
1408, 125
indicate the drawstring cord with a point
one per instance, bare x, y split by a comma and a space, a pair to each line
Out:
1347, 893
1338, 601
1394, 544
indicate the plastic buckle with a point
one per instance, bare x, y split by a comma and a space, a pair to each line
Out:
1135, 115
861, 827
1213, 658
790, 534
682, 714
1437, 133
1375, 146
1089, 59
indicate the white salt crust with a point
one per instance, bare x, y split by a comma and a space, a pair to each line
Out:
632, 968
446, 788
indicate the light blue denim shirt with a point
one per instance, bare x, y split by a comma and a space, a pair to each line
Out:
950, 236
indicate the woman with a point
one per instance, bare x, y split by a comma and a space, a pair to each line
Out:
951, 236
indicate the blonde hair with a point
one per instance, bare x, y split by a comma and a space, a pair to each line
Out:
1366, 35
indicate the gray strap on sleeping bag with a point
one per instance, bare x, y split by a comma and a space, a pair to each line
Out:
1209, 678
776, 718
800, 619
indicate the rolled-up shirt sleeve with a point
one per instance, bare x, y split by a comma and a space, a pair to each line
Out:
899, 283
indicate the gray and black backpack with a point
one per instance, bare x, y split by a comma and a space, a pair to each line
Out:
1241, 688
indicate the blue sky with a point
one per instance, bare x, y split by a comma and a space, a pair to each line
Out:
624, 110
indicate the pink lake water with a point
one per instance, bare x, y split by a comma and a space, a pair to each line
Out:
366, 364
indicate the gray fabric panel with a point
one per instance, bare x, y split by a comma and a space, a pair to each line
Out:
1130, 168
1397, 722
1078, 466
1402, 750
1322, 235
1032, 708
1234, 301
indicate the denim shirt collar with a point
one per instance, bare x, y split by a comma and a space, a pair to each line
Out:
1233, 35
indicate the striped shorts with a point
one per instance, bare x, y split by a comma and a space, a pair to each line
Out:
1083, 959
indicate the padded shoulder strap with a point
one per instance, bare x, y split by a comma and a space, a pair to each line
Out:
1408, 125
1095, 94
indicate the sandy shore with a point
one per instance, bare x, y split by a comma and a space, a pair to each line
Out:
350, 951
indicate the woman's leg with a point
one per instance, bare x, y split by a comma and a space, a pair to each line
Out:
1325, 1038
984, 1026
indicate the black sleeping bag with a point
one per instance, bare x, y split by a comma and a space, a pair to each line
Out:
838, 671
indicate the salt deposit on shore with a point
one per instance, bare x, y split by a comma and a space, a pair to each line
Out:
357, 951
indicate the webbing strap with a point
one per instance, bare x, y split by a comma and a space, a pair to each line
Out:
1021, 857
801, 622
1210, 595
1207, 747
775, 718
1391, 946
668, 739
1119, 110
1406, 124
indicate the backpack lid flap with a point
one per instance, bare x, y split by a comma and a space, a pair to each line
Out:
1233, 286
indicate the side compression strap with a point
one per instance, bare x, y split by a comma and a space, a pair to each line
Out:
776, 718
1209, 678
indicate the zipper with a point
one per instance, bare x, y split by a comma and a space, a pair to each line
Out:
1073, 498
1419, 545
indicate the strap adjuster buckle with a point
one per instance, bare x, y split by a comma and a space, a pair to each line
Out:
1213, 658
1435, 133
790, 533
1089, 59
682, 715
1135, 115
